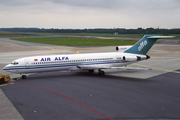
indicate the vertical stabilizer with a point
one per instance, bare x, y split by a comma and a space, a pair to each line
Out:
145, 44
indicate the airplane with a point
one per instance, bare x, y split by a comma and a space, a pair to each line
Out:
124, 56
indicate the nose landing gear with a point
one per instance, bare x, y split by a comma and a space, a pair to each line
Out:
24, 76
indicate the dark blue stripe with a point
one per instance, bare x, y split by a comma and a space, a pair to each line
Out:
51, 65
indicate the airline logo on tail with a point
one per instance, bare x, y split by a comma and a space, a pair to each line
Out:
142, 45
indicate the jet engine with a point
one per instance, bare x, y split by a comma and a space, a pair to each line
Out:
122, 48
135, 58
131, 58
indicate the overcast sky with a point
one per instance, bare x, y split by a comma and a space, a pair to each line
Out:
90, 13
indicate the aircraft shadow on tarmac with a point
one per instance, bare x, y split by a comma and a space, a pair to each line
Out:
86, 75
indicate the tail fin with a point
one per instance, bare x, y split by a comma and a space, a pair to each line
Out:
145, 44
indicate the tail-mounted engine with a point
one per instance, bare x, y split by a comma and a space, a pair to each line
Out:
122, 48
135, 58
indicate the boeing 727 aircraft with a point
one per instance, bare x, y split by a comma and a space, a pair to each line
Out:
92, 61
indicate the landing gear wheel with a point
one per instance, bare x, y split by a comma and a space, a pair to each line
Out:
91, 71
24, 76
101, 72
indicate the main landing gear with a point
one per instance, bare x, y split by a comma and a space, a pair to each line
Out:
91, 71
101, 72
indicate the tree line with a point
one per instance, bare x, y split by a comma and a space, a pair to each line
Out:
97, 30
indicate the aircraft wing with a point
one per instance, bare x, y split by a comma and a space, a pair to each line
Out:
130, 68
96, 67
92, 67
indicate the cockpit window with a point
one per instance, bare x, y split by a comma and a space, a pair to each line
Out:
14, 63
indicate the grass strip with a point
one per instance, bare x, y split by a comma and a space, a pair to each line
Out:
76, 41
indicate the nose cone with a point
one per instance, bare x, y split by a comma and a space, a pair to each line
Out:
8, 68
5, 67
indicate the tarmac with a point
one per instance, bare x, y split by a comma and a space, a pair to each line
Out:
164, 59
7, 109
15, 49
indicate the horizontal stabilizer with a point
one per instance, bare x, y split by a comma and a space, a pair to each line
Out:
159, 37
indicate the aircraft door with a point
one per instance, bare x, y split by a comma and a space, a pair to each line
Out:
26, 62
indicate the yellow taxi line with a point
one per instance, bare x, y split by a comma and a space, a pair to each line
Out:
156, 68
163, 60
78, 51
10, 83
45, 52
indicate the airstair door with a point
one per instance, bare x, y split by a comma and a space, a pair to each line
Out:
26, 63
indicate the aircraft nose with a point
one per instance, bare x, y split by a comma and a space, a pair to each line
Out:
6, 68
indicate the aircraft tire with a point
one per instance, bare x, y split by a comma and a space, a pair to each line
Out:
24, 77
91, 71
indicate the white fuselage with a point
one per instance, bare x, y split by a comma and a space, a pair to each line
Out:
113, 60
69, 62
